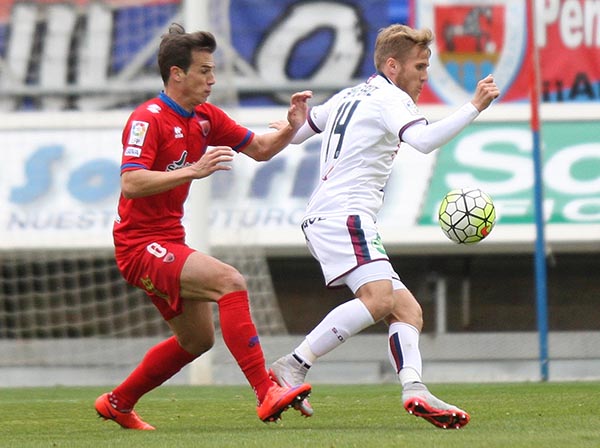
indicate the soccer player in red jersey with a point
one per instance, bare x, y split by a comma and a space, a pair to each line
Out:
165, 145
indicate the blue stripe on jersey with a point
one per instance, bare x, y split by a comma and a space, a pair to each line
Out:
133, 165
243, 142
312, 124
357, 236
396, 351
407, 125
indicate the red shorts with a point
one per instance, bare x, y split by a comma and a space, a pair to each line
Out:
156, 269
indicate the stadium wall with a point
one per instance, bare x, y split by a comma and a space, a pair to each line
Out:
448, 358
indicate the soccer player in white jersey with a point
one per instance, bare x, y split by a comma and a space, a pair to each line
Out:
363, 128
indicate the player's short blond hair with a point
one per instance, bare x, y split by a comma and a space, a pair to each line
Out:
395, 41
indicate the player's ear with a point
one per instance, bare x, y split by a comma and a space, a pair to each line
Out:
176, 73
392, 65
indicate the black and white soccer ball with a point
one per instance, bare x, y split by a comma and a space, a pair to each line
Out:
467, 215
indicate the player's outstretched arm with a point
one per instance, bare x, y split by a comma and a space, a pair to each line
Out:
486, 92
265, 146
428, 137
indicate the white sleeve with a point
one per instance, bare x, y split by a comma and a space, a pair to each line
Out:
427, 137
304, 133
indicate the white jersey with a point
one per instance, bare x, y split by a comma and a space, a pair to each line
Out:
362, 129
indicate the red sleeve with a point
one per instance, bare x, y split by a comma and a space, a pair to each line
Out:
221, 129
140, 140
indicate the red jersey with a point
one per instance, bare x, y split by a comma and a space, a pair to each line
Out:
162, 136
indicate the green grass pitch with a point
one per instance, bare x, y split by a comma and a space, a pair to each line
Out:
502, 415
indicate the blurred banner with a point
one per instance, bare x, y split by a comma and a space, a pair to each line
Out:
474, 38
106, 49
60, 187
497, 159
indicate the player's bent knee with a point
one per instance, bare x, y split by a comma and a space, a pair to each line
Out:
232, 280
415, 316
197, 345
410, 315
379, 307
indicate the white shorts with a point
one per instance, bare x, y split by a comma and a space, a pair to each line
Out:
349, 250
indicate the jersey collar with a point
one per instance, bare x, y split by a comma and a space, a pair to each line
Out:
173, 105
385, 77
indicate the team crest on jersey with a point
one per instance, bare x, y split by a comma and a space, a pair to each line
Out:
137, 133
472, 39
205, 126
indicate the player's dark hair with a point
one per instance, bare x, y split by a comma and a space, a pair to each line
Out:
176, 48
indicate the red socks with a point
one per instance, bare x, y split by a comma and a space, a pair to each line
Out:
241, 338
167, 358
160, 363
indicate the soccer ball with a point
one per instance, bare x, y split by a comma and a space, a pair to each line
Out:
466, 215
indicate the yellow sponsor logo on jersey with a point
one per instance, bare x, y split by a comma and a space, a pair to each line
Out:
149, 286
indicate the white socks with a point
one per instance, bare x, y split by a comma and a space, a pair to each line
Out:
404, 353
351, 318
341, 323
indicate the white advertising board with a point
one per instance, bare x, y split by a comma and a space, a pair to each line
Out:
59, 186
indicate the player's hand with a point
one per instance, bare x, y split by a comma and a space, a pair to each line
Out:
298, 110
216, 159
486, 92
278, 125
